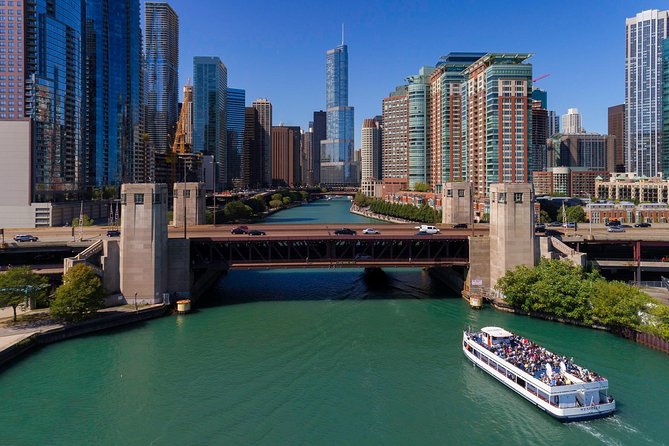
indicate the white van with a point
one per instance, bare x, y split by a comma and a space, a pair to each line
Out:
428, 229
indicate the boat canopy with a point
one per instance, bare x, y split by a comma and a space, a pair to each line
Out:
496, 332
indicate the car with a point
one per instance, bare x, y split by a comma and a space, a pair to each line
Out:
25, 238
256, 232
570, 225
345, 231
555, 224
553, 233
460, 226
427, 228
113, 233
371, 231
540, 228
642, 225
612, 223
240, 230
616, 228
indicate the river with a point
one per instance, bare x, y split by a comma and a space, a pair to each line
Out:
327, 357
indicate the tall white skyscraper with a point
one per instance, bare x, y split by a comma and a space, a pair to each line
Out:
643, 91
571, 122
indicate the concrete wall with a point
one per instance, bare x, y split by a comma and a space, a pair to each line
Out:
110, 261
479, 262
143, 247
178, 266
511, 228
457, 205
195, 204
15, 172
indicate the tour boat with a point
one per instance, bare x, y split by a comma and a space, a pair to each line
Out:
551, 382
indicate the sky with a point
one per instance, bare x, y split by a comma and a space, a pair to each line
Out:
276, 49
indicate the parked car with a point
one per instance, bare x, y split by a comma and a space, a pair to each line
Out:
344, 231
553, 233
570, 225
616, 228
460, 226
371, 231
256, 232
25, 238
613, 223
642, 225
555, 224
240, 230
428, 229
113, 233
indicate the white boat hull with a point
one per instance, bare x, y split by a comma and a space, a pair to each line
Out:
580, 413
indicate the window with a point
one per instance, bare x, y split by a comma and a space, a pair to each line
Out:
186, 193
157, 198
518, 197
449, 193
139, 198
124, 198
461, 193
502, 197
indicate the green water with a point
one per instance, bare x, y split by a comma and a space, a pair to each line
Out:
332, 357
321, 211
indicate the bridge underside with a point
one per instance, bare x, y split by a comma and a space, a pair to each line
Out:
262, 252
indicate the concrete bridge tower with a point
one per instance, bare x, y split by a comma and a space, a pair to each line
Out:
144, 247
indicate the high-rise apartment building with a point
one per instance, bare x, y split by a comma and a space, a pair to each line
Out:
617, 129
264, 108
539, 136
497, 120
394, 139
337, 149
41, 99
286, 142
370, 151
114, 94
583, 150
572, 122
553, 123
210, 86
306, 156
162, 73
236, 101
540, 95
445, 136
643, 91
419, 130
252, 158
320, 134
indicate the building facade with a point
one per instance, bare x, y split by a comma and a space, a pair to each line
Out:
539, 136
632, 188
497, 120
320, 133
616, 128
419, 130
307, 156
264, 108
114, 102
587, 150
553, 123
235, 105
252, 157
394, 138
643, 91
286, 142
210, 86
572, 122
370, 155
337, 148
162, 73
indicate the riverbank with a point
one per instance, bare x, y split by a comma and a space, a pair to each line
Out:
355, 209
19, 339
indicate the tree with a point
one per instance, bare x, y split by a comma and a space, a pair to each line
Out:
275, 204
20, 285
80, 295
236, 210
88, 221
277, 196
421, 187
575, 214
544, 217
257, 205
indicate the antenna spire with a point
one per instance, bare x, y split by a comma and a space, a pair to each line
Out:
342, 34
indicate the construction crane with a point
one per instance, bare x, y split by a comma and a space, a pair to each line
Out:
543, 76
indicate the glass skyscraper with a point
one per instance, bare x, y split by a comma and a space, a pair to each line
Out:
54, 90
337, 148
114, 86
643, 91
210, 86
419, 106
235, 105
162, 73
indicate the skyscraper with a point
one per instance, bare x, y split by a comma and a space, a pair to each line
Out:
497, 120
286, 142
41, 98
252, 163
419, 107
643, 91
337, 149
320, 133
539, 136
162, 73
210, 85
572, 123
445, 150
553, 123
370, 163
307, 156
236, 101
395, 143
617, 129
114, 101
264, 109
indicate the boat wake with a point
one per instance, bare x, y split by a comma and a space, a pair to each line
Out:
615, 423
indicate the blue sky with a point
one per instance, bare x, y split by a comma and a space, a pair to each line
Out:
276, 49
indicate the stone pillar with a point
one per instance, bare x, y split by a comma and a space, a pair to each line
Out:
190, 196
457, 203
143, 247
511, 228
